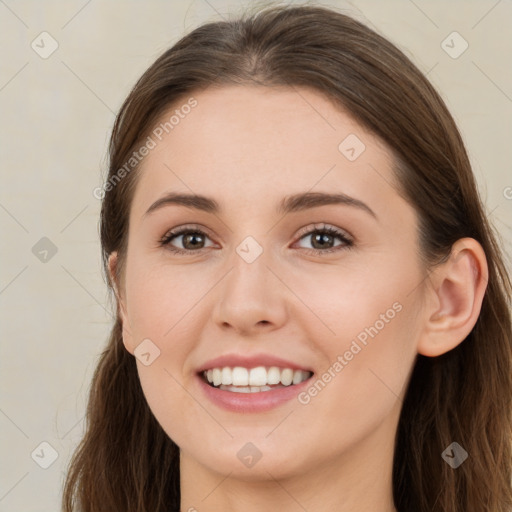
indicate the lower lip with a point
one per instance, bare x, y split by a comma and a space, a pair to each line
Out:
252, 402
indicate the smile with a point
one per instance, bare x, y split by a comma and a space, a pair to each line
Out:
254, 380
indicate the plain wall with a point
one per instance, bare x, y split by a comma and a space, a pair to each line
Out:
56, 115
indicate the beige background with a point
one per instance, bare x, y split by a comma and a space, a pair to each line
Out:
56, 117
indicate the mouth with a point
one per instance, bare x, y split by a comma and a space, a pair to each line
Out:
260, 379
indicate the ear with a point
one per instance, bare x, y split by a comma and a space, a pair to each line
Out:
455, 295
121, 307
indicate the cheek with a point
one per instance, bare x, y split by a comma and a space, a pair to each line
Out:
355, 394
363, 384
373, 318
161, 296
160, 308
353, 299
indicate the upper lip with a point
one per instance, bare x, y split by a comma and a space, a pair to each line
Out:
249, 362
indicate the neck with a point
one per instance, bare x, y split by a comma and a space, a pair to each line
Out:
359, 481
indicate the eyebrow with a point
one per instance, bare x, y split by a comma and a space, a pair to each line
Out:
289, 204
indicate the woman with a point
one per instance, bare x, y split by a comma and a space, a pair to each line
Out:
312, 309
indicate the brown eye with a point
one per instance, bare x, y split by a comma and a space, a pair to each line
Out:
192, 240
323, 240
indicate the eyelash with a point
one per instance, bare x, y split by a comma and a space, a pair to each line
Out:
347, 243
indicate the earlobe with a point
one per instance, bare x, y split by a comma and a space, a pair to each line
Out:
456, 295
121, 309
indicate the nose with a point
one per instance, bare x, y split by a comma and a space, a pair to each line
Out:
251, 299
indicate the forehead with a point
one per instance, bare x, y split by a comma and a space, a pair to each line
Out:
239, 144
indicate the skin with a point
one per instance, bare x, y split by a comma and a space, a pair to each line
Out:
248, 147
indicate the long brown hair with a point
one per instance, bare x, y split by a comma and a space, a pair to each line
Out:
125, 460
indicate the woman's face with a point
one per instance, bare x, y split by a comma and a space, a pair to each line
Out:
263, 285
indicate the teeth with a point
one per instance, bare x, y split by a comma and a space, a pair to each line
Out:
254, 380
274, 375
240, 376
227, 377
258, 376
245, 389
286, 377
297, 377
217, 376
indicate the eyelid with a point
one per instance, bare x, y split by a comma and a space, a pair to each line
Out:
307, 230
320, 226
303, 231
185, 228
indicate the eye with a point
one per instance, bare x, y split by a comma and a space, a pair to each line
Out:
192, 239
323, 239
